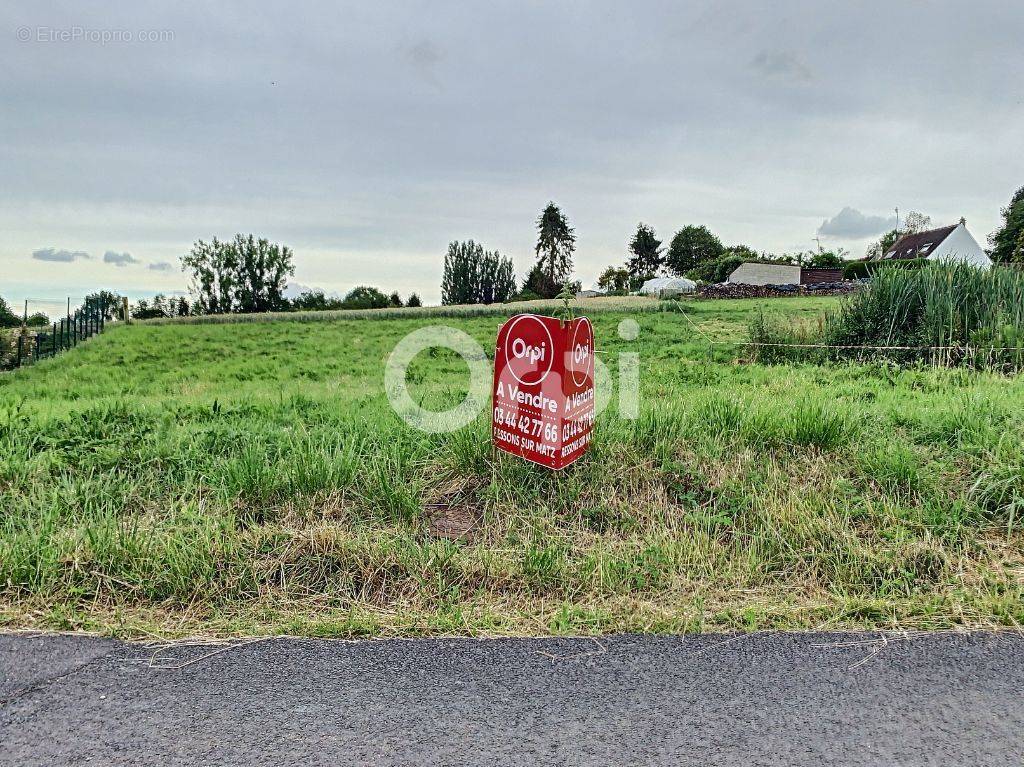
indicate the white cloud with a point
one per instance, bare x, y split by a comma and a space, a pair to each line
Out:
161, 266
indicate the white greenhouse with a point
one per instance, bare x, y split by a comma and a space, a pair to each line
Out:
660, 285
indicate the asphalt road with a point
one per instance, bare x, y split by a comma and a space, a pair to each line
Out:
762, 699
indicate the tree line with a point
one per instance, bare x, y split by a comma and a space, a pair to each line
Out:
473, 275
697, 253
249, 275
9, 319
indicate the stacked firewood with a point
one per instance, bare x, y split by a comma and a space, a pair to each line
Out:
736, 290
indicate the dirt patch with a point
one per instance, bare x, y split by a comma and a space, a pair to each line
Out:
454, 509
452, 522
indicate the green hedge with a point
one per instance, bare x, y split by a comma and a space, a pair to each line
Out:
861, 269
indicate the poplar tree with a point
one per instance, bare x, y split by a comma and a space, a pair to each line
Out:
475, 276
461, 279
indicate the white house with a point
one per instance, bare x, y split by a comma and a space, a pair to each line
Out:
950, 243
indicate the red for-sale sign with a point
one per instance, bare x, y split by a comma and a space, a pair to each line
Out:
543, 399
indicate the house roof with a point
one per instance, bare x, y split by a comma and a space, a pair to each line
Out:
918, 245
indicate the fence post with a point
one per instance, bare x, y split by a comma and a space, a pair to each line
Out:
21, 345
53, 341
127, 313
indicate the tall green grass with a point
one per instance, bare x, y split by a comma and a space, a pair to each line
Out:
253, 478
944, 314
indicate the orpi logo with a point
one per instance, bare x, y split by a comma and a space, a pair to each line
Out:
521, 349
529, 350
581, 353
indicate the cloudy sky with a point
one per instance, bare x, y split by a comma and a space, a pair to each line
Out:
368, 135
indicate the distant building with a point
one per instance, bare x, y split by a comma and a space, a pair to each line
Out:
811, 275
949, 243
752, 273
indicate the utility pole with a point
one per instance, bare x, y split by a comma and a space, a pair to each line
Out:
897, 221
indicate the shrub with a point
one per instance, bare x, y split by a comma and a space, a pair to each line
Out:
859, 270
364, 297
314, 301
524, 295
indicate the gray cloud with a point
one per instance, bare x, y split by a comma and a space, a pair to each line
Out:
750, 118
424, 53
161, 266
63, 256
118, 259
424, 56
851, 224
781, 64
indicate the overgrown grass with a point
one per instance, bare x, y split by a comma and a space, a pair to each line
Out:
942, 313
252, 478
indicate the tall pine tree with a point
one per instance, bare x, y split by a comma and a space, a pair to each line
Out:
556, 243
646, 252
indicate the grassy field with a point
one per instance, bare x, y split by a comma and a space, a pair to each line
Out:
183, 479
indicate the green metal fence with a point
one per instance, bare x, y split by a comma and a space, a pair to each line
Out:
28, 346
